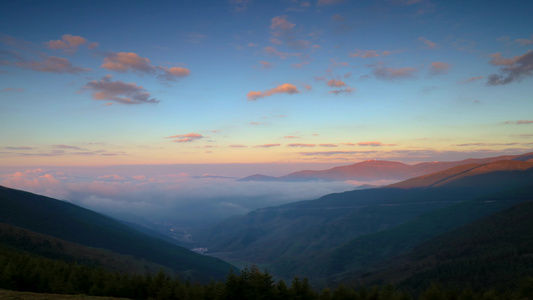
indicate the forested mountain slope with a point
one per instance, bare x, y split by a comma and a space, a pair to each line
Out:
78, 225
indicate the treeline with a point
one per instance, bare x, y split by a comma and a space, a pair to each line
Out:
30, 273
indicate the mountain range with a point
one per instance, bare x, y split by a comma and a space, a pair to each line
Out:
380, 170
333, 237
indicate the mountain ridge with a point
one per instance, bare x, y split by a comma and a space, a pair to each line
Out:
369, 170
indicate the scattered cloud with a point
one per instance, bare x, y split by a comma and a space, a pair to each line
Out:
486, 144
525, 42
285, 88
185, 138
472, 79
252, 44
52, 64
68, 147
300, 65
364, 54
13, 90
127, 61
347, 90
283, 55
173, 73
118, 91
513, 69
240, 5
329, 2
385, 73
301, 145
336, 83
284, 31
335, 153
265, 64
520, 122
291, 137
238, 146
267, 145
428, 43
374, 144
439, 68
69, 43
19, 148
194, 37
338, 18
327, 145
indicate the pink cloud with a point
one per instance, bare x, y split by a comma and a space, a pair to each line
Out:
127, 61
291, 137
336, 83
52, 64
252, 44
68, 43
173, 73
285, 88
327, 145
438, 68
118, 91
185, 138
428, 43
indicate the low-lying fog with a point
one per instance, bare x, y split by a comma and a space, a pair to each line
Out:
169, 197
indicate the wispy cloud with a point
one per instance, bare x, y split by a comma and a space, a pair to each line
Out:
301, 145
285, 88
385, 73
173, 73
520, 122
186, 138
525, 42
439, 68
118, 91
336, 83
348, 90
13, 90
284, 31
52, 64
267, 145
429, 44
472, 79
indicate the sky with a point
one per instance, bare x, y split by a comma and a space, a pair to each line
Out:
99, 83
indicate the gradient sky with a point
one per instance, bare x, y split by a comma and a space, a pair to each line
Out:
248, 81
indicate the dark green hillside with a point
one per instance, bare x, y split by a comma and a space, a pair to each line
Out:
78, 225
359, 255
290, 238
30, 242
494, 252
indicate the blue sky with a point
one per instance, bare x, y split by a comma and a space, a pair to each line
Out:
165, 82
